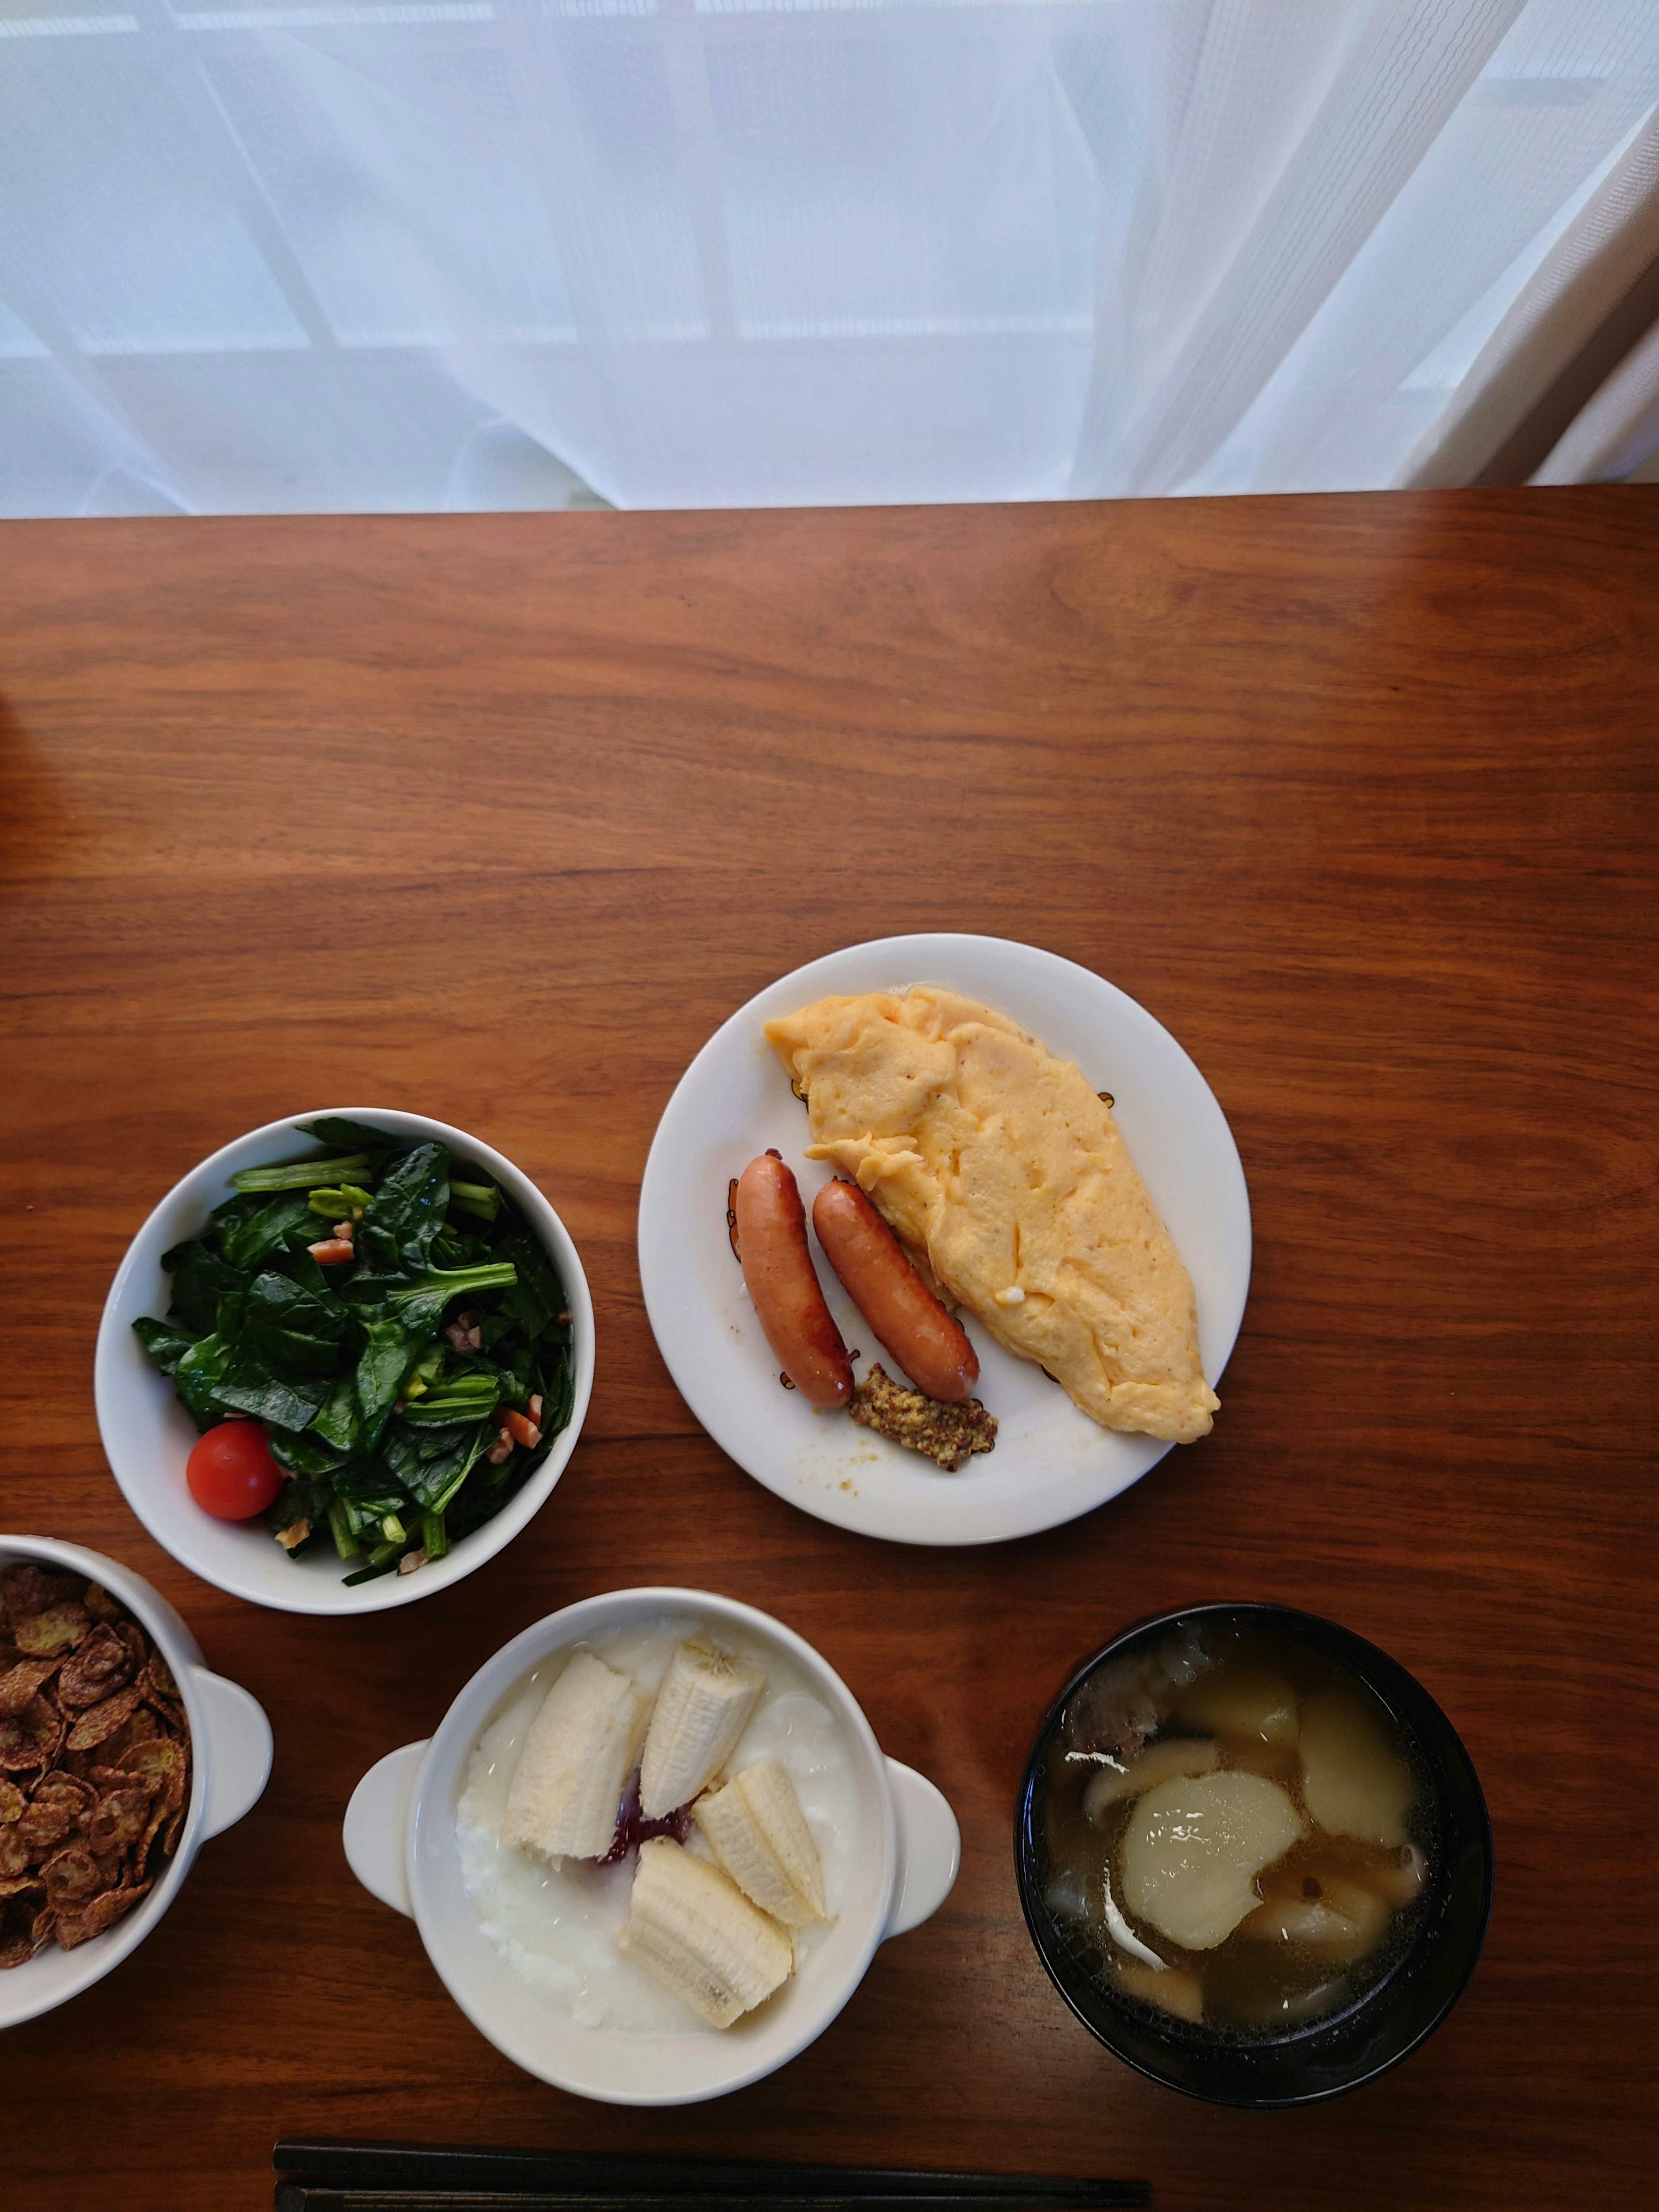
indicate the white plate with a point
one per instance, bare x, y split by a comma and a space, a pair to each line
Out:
1051, 1461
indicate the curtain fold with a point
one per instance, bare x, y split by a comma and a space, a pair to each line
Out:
1560, 385
1616, 431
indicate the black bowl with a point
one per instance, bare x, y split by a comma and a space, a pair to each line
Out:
1303, 2065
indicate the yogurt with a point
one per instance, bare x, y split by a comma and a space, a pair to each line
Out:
557, 1926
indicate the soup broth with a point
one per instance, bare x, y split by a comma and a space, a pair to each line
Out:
1238, 1832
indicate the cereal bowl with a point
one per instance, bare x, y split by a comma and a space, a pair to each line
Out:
148, 1435
230, 1761
1399, 1990
401, 1840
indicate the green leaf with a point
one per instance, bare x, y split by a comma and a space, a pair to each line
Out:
289, 1329
445, 1478
380, 1369
558, 1395
248, 1388
537, 1297
200, 1279
333, 1129
248, 1244
339, 1423
300, 1267
433, 1477
406, 1450
407, 1211
303, 1453
197, 1378
401, 1454
498, 1330
229, 1216
166, 1346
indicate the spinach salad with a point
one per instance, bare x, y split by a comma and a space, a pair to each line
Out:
395, 1328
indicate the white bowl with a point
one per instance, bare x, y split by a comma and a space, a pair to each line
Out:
230, 1761
148, 1434
400, 1840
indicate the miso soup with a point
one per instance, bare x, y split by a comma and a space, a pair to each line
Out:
1238, 1832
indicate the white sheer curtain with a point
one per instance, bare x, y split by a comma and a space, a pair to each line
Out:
394, 254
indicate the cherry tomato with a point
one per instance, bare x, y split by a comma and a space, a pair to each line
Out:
231, 1472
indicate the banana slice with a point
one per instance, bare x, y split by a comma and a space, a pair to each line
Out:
576, 1759
759, 1834
693, 1930
707, 1696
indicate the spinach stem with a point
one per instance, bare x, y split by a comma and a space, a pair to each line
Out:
339, 1524
305, 1174
482, 1199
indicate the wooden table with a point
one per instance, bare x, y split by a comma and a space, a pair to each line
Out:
497, 818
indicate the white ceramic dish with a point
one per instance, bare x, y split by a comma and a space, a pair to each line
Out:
148, 1435
230, 1761
1051, 1461
401, 1842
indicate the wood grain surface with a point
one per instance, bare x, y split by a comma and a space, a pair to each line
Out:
496, 818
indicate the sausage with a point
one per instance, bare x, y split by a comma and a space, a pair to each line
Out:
771, 1228
913, 1326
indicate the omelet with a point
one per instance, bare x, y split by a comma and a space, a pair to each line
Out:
1005, 1176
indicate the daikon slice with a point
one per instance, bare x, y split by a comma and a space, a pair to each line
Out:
1354, 1782
1194, 1848
1342, 1925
